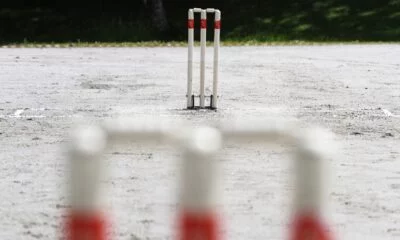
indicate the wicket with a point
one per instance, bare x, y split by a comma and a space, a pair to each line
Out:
198, 211
203, 38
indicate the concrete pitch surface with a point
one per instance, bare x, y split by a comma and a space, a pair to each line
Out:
352, 89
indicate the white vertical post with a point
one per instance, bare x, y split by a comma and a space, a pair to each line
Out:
217, 30
312, 175
86, 217
198, 193
203, 39
309, 182
311, 186
190, 104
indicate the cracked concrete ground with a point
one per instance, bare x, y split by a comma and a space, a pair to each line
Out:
354, 90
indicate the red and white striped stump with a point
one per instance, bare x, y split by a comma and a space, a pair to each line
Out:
85, 220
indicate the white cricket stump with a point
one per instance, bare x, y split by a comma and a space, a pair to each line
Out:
213, 97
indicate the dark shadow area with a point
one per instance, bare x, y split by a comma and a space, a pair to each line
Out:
165, 20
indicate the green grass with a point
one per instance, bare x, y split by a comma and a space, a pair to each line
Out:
243, 23
226, 43
93, 44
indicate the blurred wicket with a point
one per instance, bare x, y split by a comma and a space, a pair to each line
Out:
198, 215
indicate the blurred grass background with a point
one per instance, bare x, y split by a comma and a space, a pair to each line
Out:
243, 21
